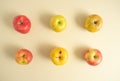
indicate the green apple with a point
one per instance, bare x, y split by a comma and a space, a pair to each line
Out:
58, 23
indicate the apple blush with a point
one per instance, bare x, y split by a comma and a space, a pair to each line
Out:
93, 57
21, 24
23, 56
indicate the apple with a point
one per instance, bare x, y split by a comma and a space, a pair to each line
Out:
58, 23
93, 57
22, 24
23, 56
93, 23
59, 56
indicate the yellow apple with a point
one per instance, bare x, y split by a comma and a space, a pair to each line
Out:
58, 23
59, 56
93, 23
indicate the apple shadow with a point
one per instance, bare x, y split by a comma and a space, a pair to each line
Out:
8, 19
79, 52
45, 19
11, 50
45, 49
80, 19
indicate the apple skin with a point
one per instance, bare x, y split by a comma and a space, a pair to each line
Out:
59, 56
58, 23
93, 23
93, 57
22, 24
23, 56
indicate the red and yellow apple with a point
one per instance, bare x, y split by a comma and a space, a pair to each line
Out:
58, 23
23, 56
93, 57
59, 56
22, 24
93, 23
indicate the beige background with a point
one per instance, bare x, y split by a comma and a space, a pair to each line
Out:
41, 39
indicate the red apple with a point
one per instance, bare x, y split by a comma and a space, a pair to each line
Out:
23, 56
93, 57
22, 24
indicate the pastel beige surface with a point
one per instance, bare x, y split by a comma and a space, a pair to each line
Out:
41, 39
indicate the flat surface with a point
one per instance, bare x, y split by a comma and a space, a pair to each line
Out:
41, 39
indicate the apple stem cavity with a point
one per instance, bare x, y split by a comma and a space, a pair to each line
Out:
23, 56
95, 22
59, 22
60, 52
59, 57
20, 23
95, 56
